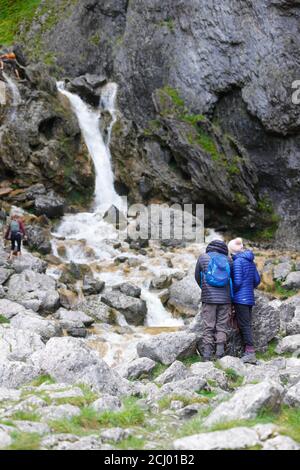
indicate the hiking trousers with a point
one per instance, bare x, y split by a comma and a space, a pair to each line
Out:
16, 239
244, 319
215, 319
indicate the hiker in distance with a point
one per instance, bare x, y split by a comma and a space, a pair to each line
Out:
213, 275
15, 232
245, 279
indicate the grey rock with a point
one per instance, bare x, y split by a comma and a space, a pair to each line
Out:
32, 427
55, 413
50, 205
292, 281
30, 321
13, 374
18, 345
94, 308
137, 368
177, 371
33, 290
129, 289
289, 344
189, 411
233, 363
30, 262
231, 439
75, 392
69, 360
161, 282
208, 372
9, 309
282, 270
5, 439
115, 435
107, 403
247, 402
166, 348
292, 397
7, 394
281, 443
134, 310
83, 443
266, 431
77, 332
92, 286
5, 275
76, 317
191, 384
185, 296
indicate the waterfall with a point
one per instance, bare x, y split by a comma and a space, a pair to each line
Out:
16, 97
89, 120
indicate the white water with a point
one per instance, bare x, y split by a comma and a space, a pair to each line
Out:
88, 118
16, 97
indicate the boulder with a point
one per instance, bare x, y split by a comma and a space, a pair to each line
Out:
72, 317
15, 374
180, 387
161, 282
106, 403
134, 310
282, 270
129, 290
177, 371
18, 345
50, 204
29, 262
292, 281
68, 299
115, 435
92, 286
5, 439
185, 296
33, 290
30, 321
231, 439
69, 360
57, 413
137, 368
30, 427
247, 402
5, 275
207, 371
9, 394
281, 443
289, 344
292, 397
94, 308
166, 348
9, 309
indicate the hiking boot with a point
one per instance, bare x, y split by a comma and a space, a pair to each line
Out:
249, 358
220, 351
207, 354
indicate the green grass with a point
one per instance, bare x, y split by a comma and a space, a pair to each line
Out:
234, 380
192, 118
42, 379
174, 95
25, 416
158, 370
269, 354
188, 361
12, 14
284, 293
132, 443
25, 441
3, 320
90, 420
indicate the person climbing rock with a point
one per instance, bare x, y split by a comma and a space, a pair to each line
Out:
10, 59
245, 279
14, 233
213, 276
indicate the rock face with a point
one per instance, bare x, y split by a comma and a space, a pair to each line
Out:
41, 143
166, 348
225, 75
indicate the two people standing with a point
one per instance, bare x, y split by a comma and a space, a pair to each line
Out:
226, 280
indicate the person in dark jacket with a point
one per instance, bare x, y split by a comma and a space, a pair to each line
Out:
245, 279
216, 305
15, 232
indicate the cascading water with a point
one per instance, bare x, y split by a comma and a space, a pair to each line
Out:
15, 95
87, 238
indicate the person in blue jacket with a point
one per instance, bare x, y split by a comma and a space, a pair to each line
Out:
245, 279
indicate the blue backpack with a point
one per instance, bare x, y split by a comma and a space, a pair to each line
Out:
218, 271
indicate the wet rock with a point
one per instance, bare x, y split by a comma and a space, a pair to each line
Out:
69, 360
177, 371
137, 368
50, 204
185, 296
107, 403
281, 443
231, 439
115, 217
292, 397
69, 317
129, 290
33, 290
77, 332
292, 281
289, 344
34, 323
92, 286
134, 310
282, 270
166, 348
161, 282
247, 402
18, 345
68, 299
94, 308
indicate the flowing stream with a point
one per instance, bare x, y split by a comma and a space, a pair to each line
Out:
87, 238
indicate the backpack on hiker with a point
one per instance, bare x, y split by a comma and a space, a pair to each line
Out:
14, 226
218, 273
